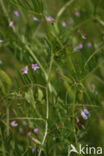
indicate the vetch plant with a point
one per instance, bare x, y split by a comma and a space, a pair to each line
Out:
35, 67
25, 70
89, 45
14, 123
16, 13
78, 47
36, 130
86, 111
84, 115
11, 24
49, 19
77, 14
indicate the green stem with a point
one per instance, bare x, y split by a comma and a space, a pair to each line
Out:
46, 124
38, 62
26, 118
63, 9
61, 12
2, 146
7, 114
74, 130
91, 56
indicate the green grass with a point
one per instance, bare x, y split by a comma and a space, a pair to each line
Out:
51, 97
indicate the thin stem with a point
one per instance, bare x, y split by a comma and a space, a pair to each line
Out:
7, 114
61, 12
2, 144
74, 130
4, 9
27, 47
38, 62
91, 56
46, 124
63, 9
50, 67
26, 118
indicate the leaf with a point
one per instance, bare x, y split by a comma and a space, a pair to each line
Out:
32, 5
30, 98
100, 21
5, 83
101, 67
40, 95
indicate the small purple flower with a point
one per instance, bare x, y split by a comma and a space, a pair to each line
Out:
35, 67
36, 130
89, 45
78, 47
63, 24
14, 124
16, 13
49, 19
18, 95
77, 14
86, 112
25, 70
11, 24
36, 19
33, 150
84, 116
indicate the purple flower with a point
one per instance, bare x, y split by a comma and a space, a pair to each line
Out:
14, 124
49, 19
63, 24
84, 116
25, 70
18, 95
11, 24
77, 14
33, 150
86, 112
16, 13
78, 47
89, 45
36, 130
35, 67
